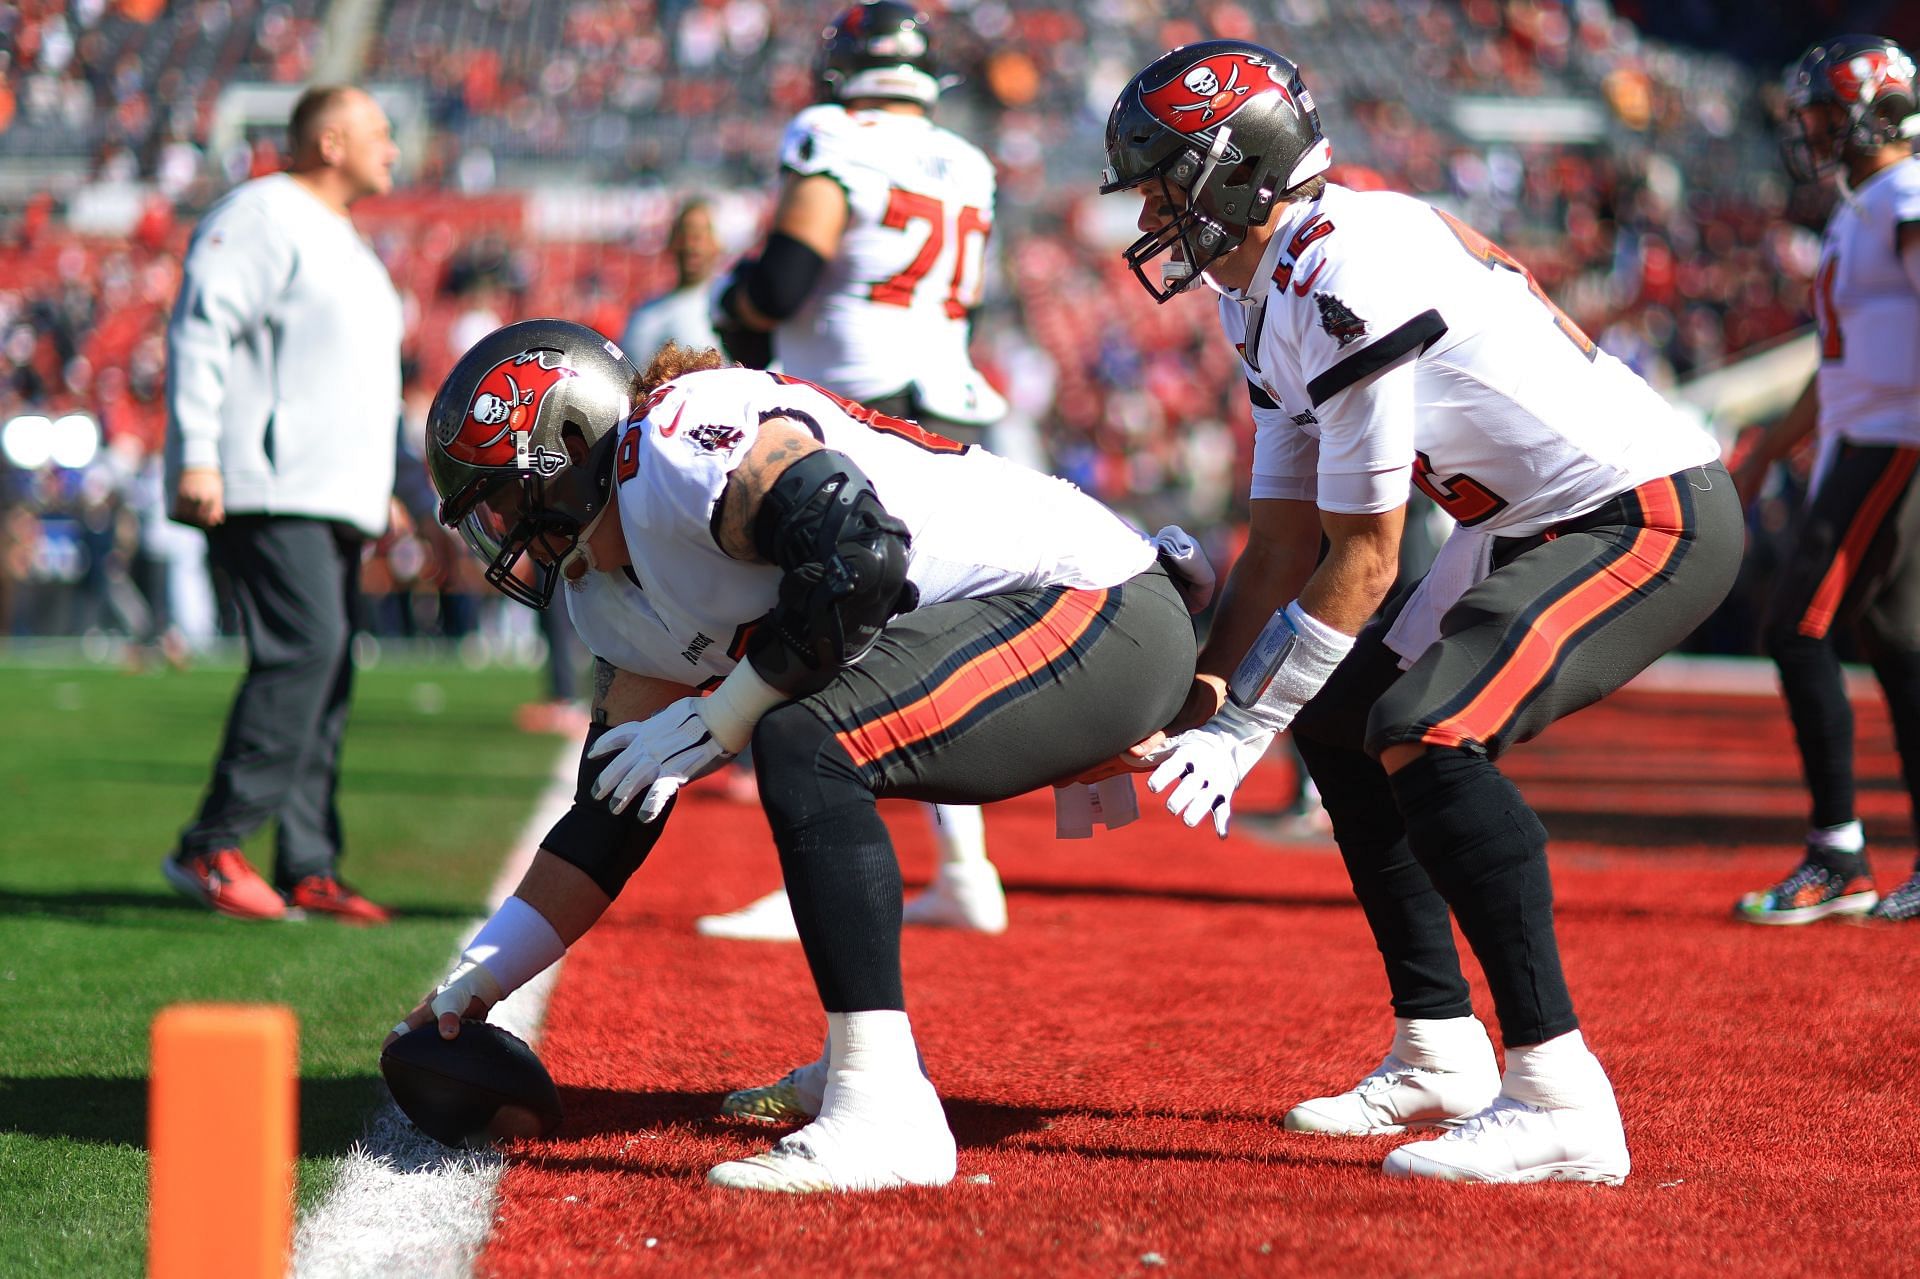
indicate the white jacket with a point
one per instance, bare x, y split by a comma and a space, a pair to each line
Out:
283, 359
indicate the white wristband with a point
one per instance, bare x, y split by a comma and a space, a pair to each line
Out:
1291, 660
516, 945
732, 709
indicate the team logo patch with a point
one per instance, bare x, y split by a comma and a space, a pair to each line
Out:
1338, 319
711, 438
505, 404
1211, 90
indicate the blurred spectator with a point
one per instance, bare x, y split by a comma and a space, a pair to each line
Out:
685, 314
283, 393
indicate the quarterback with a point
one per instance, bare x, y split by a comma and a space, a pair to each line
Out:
1853, 114
881, 611
866, 285
1388, 346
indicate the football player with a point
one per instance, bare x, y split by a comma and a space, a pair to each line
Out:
1388, 346
882, 611
866, 284
1852, 116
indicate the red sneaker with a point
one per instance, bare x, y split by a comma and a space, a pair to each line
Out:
222, 880
328, 896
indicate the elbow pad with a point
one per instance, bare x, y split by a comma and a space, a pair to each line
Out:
608, 846
845, 572
781, 279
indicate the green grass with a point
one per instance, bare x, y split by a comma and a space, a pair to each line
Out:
99, 770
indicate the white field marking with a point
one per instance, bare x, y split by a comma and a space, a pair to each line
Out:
404, 1204
1734, 677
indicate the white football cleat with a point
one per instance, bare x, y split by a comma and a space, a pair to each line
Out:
1511, 1142
964, 895
912, 1147
768, 918
1397, 1096
794, 1098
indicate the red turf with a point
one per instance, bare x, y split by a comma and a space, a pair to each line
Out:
1116, 1065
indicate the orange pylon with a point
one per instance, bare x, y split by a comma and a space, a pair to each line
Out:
222, 1136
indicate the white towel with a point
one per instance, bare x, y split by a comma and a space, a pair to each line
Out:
1464, 560
1079, 806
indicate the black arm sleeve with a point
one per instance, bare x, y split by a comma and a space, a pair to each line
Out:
781, 279
608, 846
845, 562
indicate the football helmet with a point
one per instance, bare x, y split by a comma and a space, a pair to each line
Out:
520, 444
1228, 124
880, 49
1870, 80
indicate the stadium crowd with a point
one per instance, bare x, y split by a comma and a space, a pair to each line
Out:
1676, 269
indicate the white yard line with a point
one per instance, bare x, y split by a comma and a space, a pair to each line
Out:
404, 1204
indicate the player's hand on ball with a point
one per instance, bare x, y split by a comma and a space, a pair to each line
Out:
468, 993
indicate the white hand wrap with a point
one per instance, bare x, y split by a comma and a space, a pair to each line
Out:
1291, 660
1209, 763
688, 739
510, 950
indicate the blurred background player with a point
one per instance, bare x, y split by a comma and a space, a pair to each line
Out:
1852, 117
1386, 345
283, 403
684, 314
874, 264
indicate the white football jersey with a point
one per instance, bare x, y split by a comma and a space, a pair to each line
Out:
1869, 314
1512, 419
980, 524
891, 307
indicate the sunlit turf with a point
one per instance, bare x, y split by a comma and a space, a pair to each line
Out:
99, 769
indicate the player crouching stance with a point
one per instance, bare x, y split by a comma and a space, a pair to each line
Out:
882, 612
1385, 344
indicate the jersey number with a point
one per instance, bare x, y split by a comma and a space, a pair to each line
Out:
1832, 345
626, 459
1462, 497
906, 207
1493, 256
873, 419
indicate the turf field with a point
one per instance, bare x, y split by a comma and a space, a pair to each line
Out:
1116, 1065
99, 769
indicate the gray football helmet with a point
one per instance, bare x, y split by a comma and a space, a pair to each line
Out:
520, 444
1870, 79
1229, 125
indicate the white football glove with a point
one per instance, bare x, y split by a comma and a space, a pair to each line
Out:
1209, 763
658, 755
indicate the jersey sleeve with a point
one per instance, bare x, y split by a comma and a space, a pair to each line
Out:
674, 461
820, 141
1356, 338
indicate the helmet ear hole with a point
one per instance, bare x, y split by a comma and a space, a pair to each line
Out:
574, 437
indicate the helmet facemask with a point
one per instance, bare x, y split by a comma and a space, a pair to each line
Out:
1201, 240
504, 521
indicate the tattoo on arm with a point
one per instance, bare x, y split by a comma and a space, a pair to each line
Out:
781, 444
602, 685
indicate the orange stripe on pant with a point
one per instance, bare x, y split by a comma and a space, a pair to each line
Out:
1493, 706
1886, 490
1033, 649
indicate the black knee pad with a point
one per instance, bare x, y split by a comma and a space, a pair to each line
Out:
1464, 818
803, 770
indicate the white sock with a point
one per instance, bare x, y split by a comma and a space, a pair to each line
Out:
1848, 837
1560, 1073
1441, 1043
961, 833
875, 1078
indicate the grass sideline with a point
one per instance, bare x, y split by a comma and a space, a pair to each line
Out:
99, 769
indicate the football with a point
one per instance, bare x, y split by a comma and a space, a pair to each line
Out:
484, 1084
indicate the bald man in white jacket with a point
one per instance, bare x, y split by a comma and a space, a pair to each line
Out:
283, 403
